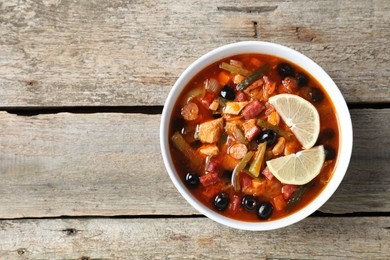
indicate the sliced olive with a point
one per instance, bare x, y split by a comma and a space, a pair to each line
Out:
221, 201
265, 210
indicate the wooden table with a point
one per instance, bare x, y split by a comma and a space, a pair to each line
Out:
82, 85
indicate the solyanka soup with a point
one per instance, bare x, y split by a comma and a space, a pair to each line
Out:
254, 137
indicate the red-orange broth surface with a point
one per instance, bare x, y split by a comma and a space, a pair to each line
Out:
217, 159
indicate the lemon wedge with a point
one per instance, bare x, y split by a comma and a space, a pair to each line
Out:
299, 168
300, 115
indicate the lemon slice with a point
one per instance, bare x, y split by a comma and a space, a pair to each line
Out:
300, 115
299, 168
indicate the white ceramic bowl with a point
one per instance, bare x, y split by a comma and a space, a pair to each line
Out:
297, 58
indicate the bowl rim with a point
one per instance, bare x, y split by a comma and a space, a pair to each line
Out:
344, 118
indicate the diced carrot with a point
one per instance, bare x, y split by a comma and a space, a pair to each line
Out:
256, 62
273, 118
223, 78
229, 163
279, 202
272, 188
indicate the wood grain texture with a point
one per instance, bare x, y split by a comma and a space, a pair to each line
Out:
110, 164
126, 53
313, 238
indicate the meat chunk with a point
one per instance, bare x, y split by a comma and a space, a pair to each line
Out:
251, 129
209, 149
268, 88
234, 108
289, 85
210, 131
209, 179
253, 109
240, 96
238, 151
279, 146
190, 111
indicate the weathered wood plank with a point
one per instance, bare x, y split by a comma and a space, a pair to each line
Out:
114, 53
106, 164
313, 238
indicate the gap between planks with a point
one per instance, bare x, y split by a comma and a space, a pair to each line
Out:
149, 110
316, 214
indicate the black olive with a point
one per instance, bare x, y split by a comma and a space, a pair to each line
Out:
228, 93
327, 133
268, 136
227, 175
330, 153
249, 203
265, 210
302, 79
216, 115
316, 95
221, 201
192, 179
178, 123
285, 70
